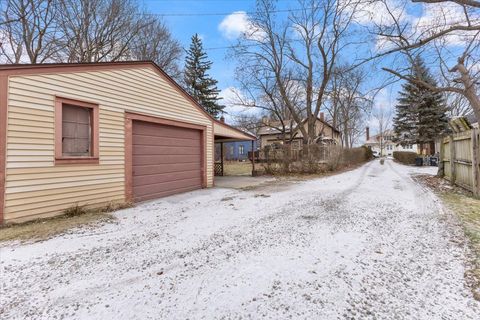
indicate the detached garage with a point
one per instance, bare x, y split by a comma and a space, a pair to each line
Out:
91, 134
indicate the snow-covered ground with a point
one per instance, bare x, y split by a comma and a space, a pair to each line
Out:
369, 243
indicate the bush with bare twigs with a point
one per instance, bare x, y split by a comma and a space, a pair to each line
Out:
311, 159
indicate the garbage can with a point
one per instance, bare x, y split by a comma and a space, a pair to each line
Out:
434, 161
419, 162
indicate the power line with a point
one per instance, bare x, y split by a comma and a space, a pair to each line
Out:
204, 14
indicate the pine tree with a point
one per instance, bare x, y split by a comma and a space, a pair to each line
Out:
198, 82
420, 112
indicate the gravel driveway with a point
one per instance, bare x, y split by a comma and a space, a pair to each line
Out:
365, 244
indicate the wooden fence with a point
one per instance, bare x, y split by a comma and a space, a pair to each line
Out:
460, 157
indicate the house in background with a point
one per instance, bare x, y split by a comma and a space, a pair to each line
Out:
384, 146
96, 133
271, 134
238, 150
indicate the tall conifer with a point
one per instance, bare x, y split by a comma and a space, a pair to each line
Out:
198, 82
420, 113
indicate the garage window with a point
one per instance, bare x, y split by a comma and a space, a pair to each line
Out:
76, 131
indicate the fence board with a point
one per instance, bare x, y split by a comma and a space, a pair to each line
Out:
460, 157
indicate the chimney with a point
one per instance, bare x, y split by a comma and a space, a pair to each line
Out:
367, 131
222, 119
322, 116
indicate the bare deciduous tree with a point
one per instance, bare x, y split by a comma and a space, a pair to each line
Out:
298, 52
38, 31
29, 31
383, 118
98, 30
348, 103
457, 67
155, 42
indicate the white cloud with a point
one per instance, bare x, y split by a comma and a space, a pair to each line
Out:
376, 12
237, 24
423, 19
233, 109
435, 18
6, 50
234, 25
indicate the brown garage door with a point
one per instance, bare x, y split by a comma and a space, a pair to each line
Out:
166, 160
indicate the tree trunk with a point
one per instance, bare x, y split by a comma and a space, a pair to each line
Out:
470, 92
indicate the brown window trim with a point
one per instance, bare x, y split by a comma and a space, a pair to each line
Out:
59, 158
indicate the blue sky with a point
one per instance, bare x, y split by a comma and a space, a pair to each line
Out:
218, 29
215, 35
183, 27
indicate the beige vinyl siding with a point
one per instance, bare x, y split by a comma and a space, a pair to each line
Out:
225, 131
35, 187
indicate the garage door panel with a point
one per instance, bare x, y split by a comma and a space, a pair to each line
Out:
162, 159
166, 160
164, 193
161, 141
156, 130
168, 187
162, 150
164, 177
165, 168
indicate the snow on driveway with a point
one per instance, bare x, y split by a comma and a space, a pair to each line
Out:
368, 243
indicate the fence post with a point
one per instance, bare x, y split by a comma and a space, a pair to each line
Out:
253, 158
475, 162
452, 159
441, 170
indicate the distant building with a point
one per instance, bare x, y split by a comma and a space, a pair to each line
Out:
271, 133
238, 150
386, 146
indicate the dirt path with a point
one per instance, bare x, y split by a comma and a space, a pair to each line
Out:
369, 243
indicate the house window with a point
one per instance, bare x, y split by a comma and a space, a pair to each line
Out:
296, 145
241, 150
76, 132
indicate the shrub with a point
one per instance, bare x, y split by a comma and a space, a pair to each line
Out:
405, 157
311, 159
75, 210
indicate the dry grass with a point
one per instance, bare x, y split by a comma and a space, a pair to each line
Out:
73, 217
236, 168
467, 208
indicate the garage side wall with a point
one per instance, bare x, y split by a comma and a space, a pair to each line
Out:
36, 187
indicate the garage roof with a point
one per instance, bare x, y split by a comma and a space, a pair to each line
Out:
223, 131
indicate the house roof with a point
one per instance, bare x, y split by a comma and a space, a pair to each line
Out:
224, 130
374, 139
21, 69
272, 128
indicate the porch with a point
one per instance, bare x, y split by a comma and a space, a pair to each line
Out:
222, 135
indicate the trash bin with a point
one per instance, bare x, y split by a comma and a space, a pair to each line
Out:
434, 161
419, 162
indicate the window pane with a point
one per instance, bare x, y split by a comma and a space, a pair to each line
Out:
76, 131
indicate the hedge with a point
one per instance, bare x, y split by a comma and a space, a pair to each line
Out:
405, 157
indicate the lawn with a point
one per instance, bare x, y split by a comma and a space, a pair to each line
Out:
236, 168
46, 228
468, 209
73, 217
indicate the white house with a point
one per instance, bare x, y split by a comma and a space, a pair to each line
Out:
383, 145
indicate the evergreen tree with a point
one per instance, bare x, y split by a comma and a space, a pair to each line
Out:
198, 82
420, 112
